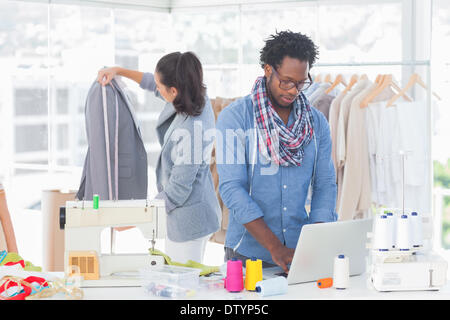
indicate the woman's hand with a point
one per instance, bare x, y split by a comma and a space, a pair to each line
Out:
105, 75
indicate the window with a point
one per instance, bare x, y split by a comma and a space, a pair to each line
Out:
367, 32
212, 35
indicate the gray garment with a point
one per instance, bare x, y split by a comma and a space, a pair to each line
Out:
323, 103
183, 173
127, 174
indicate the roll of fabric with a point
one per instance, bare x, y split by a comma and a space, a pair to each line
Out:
53, 237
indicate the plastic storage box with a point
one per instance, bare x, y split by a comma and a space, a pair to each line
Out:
170, 281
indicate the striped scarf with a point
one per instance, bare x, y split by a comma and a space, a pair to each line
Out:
280, 143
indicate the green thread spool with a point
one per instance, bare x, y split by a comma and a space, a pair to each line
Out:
95, 202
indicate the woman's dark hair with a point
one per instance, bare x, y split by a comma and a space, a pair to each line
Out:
288, 43
184, 72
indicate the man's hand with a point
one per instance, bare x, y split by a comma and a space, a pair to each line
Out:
282, 256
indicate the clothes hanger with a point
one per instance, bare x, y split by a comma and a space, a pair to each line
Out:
378, 80
415, 78
327, 79
339, 79
353, 80
394, 84
399, 90
384, 82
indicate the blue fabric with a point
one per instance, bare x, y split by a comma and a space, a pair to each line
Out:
278, 194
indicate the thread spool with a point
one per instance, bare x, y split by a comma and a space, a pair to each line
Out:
416, 230
325, 283
392, 234
95, 202
234, 282
341, 272
272, 287
403, 232
382, 237
253, 273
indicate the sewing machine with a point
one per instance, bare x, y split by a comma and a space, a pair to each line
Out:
401, 271
84, 223
417, 268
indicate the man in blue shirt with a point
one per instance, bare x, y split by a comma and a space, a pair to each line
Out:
273, 145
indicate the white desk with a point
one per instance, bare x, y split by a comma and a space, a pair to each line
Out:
360, 289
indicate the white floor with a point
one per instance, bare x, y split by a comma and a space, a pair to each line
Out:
29, 235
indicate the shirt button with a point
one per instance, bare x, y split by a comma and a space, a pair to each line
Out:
284, 186
284, 208
284, 230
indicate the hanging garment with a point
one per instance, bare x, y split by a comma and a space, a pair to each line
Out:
373, 115
333, 120
116, 162
356, 184
388, 144
218, 105
319, 91
323, 104
411, 180
342, 132
399, 128
321, 100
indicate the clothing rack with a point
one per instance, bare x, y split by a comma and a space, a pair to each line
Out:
412, 64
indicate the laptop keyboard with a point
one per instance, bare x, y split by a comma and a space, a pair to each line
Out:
283, 274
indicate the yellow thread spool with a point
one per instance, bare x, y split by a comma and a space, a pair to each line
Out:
253, 273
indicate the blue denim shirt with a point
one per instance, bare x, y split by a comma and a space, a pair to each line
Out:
278, 194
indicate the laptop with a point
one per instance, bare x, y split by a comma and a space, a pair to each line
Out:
320, 243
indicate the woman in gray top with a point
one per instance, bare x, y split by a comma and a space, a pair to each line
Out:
183, 176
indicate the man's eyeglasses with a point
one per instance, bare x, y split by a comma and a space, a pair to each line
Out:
288, 84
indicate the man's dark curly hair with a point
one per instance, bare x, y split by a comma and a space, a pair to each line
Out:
288, 43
